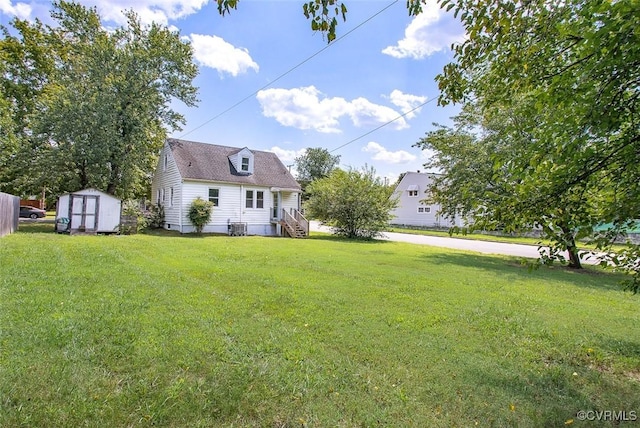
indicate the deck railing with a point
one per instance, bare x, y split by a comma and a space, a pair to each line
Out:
295, 221
302, 221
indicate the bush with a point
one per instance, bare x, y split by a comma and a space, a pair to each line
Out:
200, 213
356, 203
154, 217
132, 218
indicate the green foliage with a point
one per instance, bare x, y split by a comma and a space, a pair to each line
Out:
148, 330
154, 217
356, 204
91, 107
199, 213
555, 90
131, 211
314, 164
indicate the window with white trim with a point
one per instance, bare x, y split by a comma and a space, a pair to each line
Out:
424, 210
254, 199
412, 193
245, 165
214, 197
171, 197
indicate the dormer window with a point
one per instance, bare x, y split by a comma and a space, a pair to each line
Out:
243, 161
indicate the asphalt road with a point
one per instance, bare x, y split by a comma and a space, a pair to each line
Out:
485, 247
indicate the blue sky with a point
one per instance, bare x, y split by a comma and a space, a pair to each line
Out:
382, 66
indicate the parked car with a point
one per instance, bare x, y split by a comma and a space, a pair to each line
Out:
31, 212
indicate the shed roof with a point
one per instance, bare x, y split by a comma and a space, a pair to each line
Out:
210, 162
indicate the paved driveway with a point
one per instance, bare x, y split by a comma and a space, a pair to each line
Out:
486, 247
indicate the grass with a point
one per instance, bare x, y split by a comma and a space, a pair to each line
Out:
165, 330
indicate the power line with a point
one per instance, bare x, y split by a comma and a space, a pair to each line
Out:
383, 125
291, 69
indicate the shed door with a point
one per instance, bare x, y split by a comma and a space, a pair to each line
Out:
84, 212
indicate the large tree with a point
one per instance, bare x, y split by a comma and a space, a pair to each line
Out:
100, 107
356, 203
315, 163
569, 72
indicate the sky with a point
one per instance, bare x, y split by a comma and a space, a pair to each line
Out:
268, 82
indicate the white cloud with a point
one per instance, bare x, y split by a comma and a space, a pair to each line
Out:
431, 31
308, 108
407, 102
20, 10
215, 52
383, 155
287, 155
160, 11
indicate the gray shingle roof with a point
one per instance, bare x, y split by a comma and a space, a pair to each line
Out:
210, 162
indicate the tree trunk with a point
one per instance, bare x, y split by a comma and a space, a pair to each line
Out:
574, 257
572, 249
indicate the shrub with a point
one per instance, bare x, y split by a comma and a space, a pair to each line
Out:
154, 217
200, 213
132, 218
356, 203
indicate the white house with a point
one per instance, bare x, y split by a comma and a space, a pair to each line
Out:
411, 209
89, 211
252, 191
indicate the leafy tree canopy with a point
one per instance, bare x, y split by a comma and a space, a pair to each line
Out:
314, 164
90, 107
356, 203
554, 90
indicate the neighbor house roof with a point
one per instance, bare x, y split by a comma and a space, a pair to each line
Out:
210, 162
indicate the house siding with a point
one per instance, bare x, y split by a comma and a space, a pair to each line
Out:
169, 178
231, 208
407, 211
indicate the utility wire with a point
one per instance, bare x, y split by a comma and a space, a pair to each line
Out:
291, 69
383, 125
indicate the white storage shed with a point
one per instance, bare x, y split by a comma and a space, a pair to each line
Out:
88, 211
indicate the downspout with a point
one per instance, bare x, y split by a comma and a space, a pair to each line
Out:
180, 206
241, 193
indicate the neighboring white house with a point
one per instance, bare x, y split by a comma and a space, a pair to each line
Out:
89, 211
252, 191
411, 209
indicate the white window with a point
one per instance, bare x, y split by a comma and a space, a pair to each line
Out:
158, 196
413, 193
245, 165
424, 210
171, 197
214, 196
161, 198
166, 162
254, 199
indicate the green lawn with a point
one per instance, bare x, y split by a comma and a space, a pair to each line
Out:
172, 331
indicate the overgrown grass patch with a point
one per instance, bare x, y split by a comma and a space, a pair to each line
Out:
168, 330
